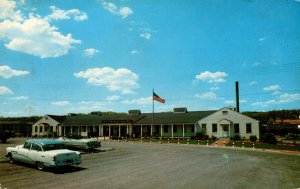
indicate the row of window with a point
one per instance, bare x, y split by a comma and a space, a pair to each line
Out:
236, 128
41, 129
166, 129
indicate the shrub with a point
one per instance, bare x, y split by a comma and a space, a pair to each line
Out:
269, 138
201, 136
253, 138
237, 137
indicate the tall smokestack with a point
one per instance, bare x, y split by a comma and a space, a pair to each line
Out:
237, 96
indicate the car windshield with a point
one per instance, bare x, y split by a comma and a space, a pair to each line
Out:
49, 147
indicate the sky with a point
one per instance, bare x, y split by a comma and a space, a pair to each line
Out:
59, 56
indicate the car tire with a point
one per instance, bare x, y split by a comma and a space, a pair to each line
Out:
11, 159
40, 165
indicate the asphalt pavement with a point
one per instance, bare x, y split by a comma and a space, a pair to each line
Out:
144, 165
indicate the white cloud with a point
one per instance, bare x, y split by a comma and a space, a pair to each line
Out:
146, 35
61, 103
272, 88
19, 98
262, 39
207, 96
289, 97
122, 79
90, 52
122, 11
233, 101
133, 52
4, 90
214, 88
113, 98
110, 7
253, 83
36, 37
8, 11
58, 14
139, 101
125, 11
7, 72
212, 77
93, 105
282, 99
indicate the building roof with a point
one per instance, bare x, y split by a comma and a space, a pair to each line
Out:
174, 118
143, 118
58, 118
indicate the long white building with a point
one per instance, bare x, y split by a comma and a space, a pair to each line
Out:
180, 123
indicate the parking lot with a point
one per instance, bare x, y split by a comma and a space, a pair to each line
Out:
144, 165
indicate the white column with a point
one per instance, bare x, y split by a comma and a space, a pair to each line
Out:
172, 130
151, 130
183, 130
109, 132
130, 129
141, 130
161, 130
229, 130
127, 129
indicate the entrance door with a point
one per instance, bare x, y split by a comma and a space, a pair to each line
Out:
225, 128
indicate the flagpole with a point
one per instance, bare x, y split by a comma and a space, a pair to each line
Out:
152, 112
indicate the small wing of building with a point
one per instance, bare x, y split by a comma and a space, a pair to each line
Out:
47, 126
226, 123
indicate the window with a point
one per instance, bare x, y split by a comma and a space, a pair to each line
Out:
214, 127
236, 128
27, 145
225, 112
35, 129
193, 129
248, 128
225, 128
166, 128
36, 147
157, 128
203, 128
175, 128
41, 129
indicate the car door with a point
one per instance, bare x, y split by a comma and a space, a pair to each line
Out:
34, 153
22, 153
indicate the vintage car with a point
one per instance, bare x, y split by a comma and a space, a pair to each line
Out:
80, 144
43, 153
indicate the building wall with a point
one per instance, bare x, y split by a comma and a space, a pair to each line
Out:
229, 117
45, 126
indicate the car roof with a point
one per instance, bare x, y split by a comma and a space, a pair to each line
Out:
44, 141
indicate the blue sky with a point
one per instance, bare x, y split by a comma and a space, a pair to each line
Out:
59, 56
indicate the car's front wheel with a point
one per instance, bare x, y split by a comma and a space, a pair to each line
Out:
40, 165
11, 159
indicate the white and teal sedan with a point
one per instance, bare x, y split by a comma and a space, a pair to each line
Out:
43, 153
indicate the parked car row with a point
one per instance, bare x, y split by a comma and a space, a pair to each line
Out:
80, 144
50, 152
